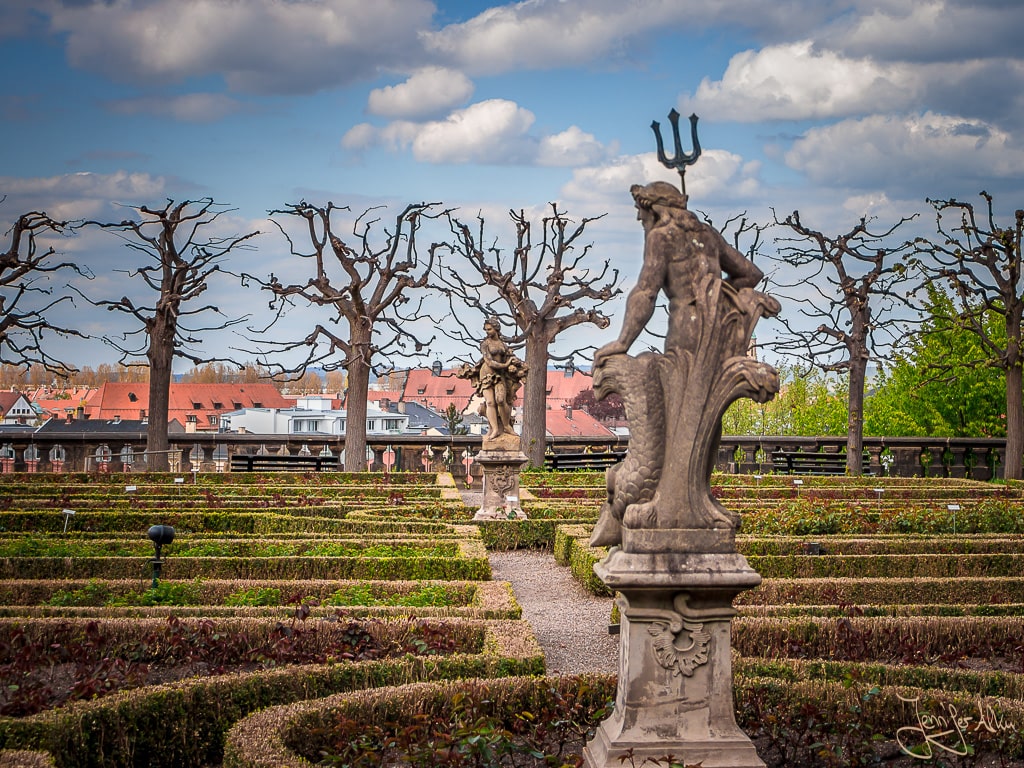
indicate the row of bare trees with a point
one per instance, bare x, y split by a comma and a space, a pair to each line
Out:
370, 278
366, 275
861, 281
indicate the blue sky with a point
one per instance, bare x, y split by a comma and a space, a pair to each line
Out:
838, 108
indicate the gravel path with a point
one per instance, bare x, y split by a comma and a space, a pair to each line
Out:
570, 623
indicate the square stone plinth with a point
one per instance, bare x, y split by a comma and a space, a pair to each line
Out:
674, 694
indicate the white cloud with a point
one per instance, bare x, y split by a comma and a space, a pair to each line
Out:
719, 177
426, 92
571, 147
797, 82
259, 46
361, 136
930, 151
932, 30
541, 34
79, 195
188, 108
493, 131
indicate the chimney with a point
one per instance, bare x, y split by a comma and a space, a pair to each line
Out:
435, 368
568, 412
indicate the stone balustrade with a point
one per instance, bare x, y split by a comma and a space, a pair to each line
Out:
977, 458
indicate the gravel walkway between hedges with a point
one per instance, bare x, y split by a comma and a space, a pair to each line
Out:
570, 623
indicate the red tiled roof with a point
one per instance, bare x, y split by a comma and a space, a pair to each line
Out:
579, 424
562, 389
437, 392
131, 401
423, 387
7, 400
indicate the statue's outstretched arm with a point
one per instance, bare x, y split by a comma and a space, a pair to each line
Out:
640, 303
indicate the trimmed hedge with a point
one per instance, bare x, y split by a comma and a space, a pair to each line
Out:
270, 738
475, 599
797, 715
842, 591
216, 522
468, 561
183, 724
912, 639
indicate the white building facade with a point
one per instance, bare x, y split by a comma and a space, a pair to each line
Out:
310, 416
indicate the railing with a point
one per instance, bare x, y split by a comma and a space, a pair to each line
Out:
977, 458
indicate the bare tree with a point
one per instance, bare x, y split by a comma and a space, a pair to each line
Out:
366, 288
540, 288
847, 285
181, 260
28, 302
981, 262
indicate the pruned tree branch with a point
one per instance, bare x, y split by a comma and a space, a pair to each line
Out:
542, 287
848, 285
180, 258
27, 296
367, 288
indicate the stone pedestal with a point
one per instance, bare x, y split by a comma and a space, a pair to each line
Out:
501, 485
674, 692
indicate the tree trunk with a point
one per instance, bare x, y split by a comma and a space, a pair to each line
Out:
1012, 470
355, 407
161, 357
855, 415
535, 400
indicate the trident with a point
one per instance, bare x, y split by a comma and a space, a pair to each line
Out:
680, 160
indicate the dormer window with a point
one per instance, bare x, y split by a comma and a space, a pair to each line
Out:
257, 405
218, 406
236, 405
132, 397
197, 406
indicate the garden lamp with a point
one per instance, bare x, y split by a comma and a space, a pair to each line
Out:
159, 535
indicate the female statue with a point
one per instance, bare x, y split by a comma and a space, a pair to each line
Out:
497, 378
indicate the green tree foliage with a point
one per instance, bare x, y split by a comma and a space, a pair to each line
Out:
808, 403
941, 384
453, 421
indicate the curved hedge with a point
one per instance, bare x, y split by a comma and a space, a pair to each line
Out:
797, 714
183, 724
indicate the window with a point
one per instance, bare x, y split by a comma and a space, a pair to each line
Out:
236, 405
197, 406
213, 420
132, 397
191, 418
371, 424
218, 406
257, 405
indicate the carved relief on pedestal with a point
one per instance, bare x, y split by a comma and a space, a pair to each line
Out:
667, 650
